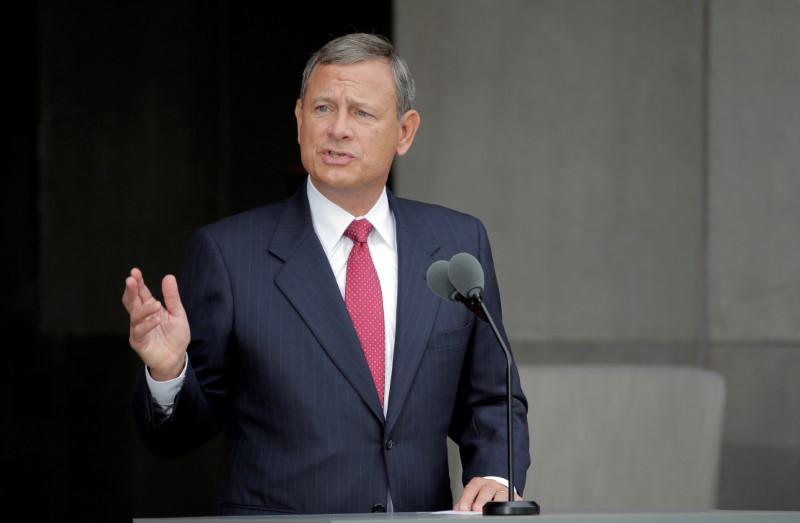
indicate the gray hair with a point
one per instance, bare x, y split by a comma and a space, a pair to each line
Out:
360, 47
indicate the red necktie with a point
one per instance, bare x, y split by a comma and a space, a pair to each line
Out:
364, 301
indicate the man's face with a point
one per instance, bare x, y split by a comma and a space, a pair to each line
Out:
348, 130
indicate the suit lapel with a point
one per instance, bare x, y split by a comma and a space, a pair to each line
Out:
308, 283
416, 304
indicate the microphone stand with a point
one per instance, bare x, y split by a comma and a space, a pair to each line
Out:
510, 507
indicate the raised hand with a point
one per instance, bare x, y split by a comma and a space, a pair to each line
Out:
158, 334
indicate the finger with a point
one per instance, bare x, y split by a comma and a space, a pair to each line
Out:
485, 494
501, 495
141, 329
130, 296
144, 292
143, 311
172, 298
468, 496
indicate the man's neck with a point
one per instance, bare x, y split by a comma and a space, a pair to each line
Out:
356, 203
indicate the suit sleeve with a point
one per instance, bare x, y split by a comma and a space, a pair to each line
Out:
200, 407
479, 421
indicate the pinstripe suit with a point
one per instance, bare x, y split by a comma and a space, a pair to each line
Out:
274, 361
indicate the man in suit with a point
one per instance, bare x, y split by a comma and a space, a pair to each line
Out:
306, 331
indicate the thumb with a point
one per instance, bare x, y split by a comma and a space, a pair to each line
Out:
172, 299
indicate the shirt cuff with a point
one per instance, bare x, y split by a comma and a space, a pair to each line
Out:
504, 482
164, 392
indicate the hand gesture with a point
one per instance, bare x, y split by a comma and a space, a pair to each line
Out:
158, 334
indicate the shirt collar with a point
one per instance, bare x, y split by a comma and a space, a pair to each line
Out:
330, 220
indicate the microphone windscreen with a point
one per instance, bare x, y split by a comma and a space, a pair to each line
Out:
439, 281
466, 274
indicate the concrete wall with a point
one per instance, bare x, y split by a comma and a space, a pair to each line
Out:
754, 245
635, 162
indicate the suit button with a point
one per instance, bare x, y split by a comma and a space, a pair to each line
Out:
389, 444
377, 507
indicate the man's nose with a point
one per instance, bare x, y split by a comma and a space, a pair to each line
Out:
341, 126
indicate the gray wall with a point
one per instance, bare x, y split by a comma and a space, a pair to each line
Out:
635, 162
754, 245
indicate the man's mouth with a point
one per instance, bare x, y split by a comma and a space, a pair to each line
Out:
332, 157
335, 154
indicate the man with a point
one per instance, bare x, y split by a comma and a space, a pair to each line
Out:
314, 340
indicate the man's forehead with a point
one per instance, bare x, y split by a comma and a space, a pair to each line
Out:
374, 71
364, 78
369, 62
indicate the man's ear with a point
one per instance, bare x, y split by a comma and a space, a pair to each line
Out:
298, 115
409, 123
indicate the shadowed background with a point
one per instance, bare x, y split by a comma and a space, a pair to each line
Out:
134, 123
635, 162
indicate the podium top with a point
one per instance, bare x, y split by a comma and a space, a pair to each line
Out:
717, 516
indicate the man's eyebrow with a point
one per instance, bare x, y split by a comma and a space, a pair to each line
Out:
363, 104
354, 102
321, 98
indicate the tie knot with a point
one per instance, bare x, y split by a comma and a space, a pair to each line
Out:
358, 230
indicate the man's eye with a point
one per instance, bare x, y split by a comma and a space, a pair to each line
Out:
363, 114
322, 108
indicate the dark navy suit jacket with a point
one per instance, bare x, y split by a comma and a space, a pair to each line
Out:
275, 362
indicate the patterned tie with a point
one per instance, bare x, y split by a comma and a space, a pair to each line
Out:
364, 301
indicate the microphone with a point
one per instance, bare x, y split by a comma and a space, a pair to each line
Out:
461, 279
466, 275
439, 281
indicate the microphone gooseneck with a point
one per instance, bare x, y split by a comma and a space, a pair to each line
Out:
462, 279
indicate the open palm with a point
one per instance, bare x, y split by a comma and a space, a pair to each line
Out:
158, 333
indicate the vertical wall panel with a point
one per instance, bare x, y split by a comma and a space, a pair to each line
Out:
754, 246
755, 171
574, 130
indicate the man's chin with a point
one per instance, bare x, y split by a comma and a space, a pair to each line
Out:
335, 179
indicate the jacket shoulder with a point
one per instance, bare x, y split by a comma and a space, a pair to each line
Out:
443, 223
432, 211
254, 227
